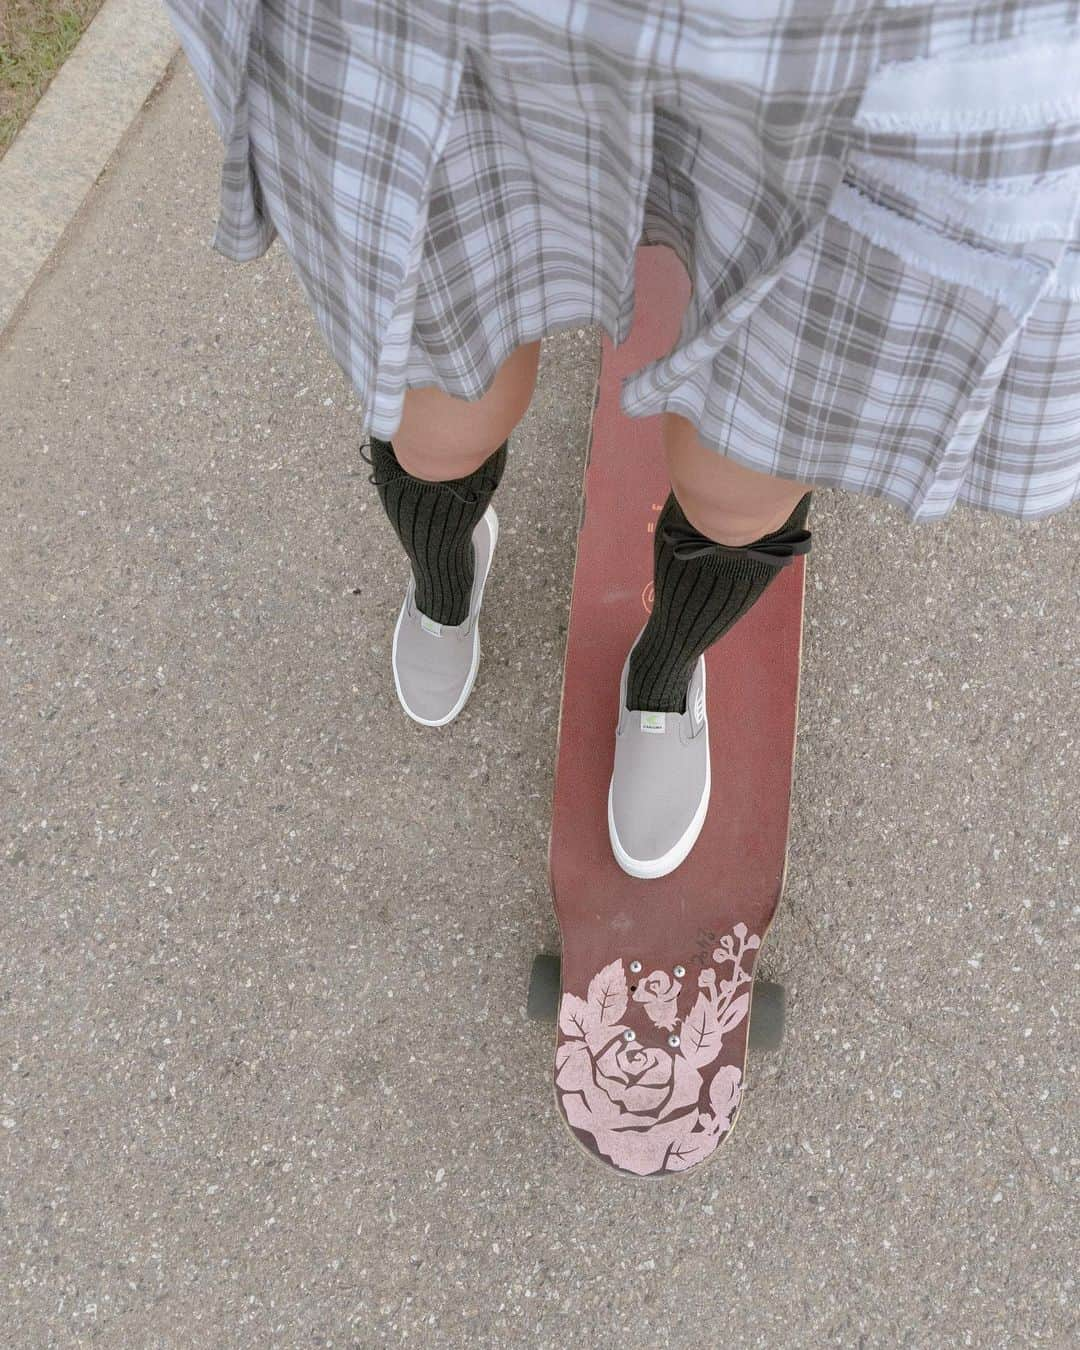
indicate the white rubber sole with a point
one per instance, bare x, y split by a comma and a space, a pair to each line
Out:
649, 869
474, 665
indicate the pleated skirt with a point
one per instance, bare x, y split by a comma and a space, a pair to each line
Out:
877, 204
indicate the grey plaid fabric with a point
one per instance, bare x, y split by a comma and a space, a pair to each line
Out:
878, 205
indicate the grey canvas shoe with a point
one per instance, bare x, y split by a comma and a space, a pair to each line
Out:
435, 664
659, 791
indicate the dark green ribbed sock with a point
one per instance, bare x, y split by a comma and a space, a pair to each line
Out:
700, 589
435, 523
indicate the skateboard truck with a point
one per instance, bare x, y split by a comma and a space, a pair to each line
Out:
766, 1025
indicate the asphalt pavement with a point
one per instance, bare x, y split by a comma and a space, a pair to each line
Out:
264, 945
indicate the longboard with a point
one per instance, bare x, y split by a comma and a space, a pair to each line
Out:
652, 995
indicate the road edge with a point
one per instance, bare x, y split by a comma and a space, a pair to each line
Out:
73, 132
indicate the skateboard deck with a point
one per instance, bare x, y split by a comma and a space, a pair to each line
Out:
657, 976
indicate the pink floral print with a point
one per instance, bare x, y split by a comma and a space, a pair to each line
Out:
659, 992
655, 1107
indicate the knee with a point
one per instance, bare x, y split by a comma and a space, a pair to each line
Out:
723, 499
436, 464
441, 437
736, 522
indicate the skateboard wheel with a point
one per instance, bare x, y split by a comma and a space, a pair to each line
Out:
767, 1015
544, 988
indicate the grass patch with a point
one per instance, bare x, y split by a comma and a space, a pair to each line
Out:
36, 36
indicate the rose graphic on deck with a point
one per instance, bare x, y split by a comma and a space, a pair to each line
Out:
659, 993
655, 1108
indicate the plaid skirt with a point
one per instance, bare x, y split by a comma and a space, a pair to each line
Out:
877, 203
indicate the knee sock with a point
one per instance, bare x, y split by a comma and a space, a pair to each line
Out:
435, 523
700, 589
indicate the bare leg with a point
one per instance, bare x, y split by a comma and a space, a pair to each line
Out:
722, 499
440, 437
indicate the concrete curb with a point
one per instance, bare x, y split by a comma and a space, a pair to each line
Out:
72, 133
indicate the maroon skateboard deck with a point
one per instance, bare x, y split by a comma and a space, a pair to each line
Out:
657, 976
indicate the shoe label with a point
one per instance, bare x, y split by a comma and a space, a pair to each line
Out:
430, 626
653, 721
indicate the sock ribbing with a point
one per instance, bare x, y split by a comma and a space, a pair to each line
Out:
696, 599
435, 523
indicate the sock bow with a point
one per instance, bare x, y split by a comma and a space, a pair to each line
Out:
775, 550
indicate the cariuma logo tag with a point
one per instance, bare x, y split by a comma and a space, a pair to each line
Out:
653, 721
